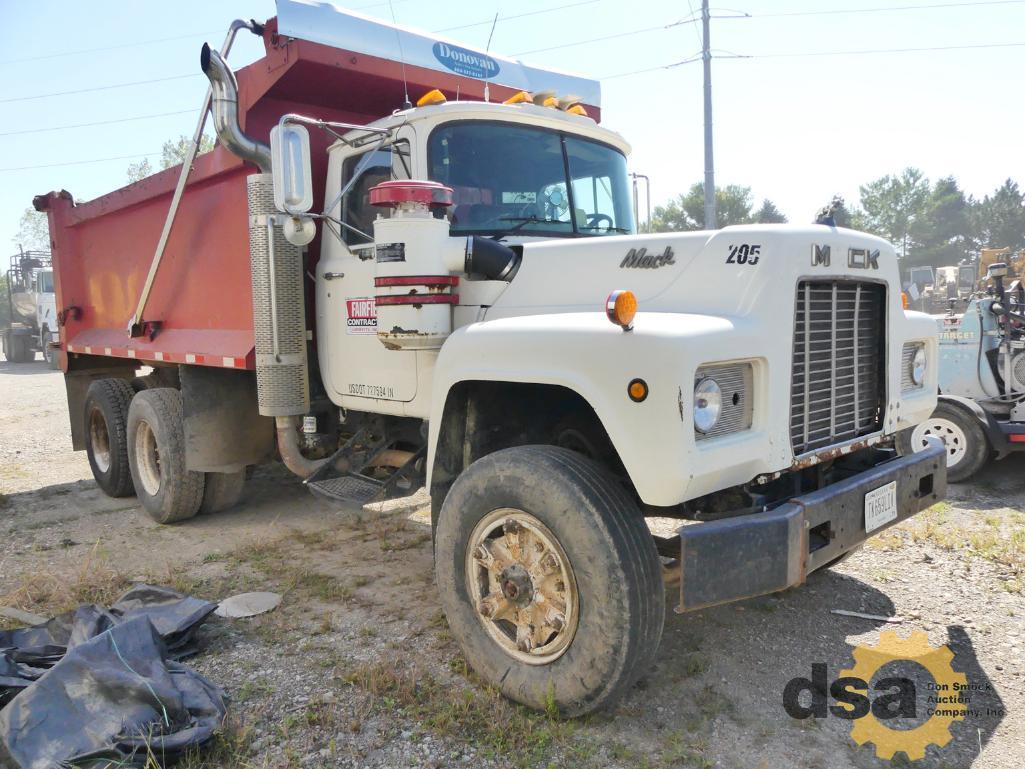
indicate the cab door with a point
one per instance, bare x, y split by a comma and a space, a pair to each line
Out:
358, 371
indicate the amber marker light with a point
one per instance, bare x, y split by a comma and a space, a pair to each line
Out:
904, 299
521, 97
637, 390
433, 96
621, 307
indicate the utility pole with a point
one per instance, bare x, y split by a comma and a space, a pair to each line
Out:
706, 56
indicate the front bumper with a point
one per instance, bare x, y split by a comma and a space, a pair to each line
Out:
749, 555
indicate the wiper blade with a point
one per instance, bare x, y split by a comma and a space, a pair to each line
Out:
604, 229
523, 222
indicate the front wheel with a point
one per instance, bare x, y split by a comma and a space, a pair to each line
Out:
549, 578
961, 433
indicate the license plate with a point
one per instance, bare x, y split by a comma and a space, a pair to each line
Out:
880, 506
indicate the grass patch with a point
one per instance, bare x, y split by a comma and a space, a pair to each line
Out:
475, 715
94, 580
995, 537
888, 540
229, 749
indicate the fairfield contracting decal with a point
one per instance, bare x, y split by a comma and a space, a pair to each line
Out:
465, 62
361, 315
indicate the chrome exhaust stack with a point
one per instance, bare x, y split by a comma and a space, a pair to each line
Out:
224, 108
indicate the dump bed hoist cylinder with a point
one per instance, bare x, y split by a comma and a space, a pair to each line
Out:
279, 312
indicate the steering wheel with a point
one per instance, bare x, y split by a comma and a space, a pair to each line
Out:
593, 220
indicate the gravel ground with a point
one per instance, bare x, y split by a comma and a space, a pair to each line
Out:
357, 668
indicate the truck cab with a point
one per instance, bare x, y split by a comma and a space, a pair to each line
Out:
519, 173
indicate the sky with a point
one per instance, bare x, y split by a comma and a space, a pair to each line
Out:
798, 116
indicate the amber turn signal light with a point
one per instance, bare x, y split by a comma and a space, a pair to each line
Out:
621, 307
637, 390
905, 303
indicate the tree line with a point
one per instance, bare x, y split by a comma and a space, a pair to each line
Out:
932, 223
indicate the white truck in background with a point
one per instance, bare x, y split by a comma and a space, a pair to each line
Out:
469, 307
31, 308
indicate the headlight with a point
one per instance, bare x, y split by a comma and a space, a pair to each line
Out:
707, 404
918, 367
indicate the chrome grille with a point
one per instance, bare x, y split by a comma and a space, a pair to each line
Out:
735, 382
836, 393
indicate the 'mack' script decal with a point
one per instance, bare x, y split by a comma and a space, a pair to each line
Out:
639, 258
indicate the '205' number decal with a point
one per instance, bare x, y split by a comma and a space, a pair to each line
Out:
744, 254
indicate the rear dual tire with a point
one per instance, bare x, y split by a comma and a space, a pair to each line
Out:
549, 579
106, 435
168, 490
137, 446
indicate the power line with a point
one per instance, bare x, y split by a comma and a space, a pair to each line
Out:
100, 122
521, 16
594, 40
105, 48
690, 60
99, 88
868, 51
81, 162
882, 9
730, 55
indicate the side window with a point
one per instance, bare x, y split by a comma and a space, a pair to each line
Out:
383, 164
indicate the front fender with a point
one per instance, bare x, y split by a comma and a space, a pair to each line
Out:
585, 353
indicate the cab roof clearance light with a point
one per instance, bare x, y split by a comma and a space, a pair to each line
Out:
433, 96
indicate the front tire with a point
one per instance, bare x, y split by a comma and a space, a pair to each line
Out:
156, 453
549, 578
50, 354
967, 445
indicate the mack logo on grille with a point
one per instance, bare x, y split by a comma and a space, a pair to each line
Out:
857, 258
863, 258
639, 258
819, 256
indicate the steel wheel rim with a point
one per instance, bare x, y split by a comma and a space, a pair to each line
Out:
99, 439
147, 458
953, 437
522, 587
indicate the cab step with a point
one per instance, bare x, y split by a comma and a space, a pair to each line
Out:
355, 474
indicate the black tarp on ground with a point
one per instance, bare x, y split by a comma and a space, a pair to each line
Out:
98, 688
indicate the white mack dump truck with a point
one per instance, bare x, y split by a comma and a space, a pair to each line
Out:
473, 310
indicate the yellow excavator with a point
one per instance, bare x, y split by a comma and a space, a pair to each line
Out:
988, 256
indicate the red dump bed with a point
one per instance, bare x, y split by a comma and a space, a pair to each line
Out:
200, 303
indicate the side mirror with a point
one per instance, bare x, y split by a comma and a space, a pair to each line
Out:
290, 167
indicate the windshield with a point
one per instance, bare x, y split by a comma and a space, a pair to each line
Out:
511, 178
45, 282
